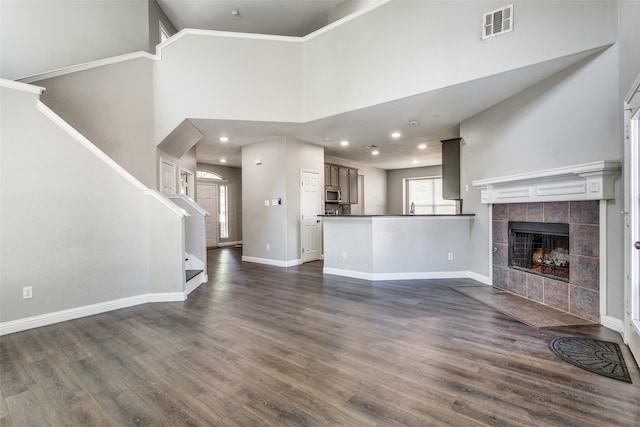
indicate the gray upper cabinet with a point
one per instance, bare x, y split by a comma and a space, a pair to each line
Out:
353, 186
345, 178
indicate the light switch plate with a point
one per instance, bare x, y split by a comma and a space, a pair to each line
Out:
266, 203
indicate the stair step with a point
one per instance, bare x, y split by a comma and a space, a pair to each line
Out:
190, 274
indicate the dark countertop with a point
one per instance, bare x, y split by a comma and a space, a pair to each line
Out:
397, 216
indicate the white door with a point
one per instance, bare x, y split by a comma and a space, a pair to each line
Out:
167, 177
207, 197
632, 240
310, 230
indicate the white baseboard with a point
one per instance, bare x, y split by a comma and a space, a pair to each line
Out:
87, 310
612, 323
223, 244
480, 278
274, 262
419, 275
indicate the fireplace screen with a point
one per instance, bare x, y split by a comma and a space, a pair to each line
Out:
541, 248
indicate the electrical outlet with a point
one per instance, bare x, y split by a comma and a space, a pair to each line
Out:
450, 256
268, 247
274, 202
27, 292
344, 254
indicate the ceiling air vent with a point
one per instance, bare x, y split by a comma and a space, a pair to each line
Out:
497, 22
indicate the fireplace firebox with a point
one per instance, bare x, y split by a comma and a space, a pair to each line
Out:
540, 248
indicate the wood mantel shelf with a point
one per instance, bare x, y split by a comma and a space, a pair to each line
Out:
587, 181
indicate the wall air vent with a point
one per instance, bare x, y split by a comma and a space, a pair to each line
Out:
497, 22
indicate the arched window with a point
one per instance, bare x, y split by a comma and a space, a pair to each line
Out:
209, 175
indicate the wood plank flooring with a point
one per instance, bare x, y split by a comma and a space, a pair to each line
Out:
260, 346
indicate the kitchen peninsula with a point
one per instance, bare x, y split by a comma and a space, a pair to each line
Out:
397, 247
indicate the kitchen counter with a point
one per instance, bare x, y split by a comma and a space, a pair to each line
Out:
397, 247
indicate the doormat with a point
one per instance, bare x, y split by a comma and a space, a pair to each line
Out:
600, 357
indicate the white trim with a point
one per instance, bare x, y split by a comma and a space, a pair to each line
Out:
223, 244
166, 202
86, 66
418, 275
189, 201
345, 19
485, 280
602, 257
273, 262
66, 127
87, 310
23, 87
612, 323
587, 181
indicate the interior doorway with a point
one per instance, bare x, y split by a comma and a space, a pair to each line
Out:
167, 177
187, 183
311, 226
207, 197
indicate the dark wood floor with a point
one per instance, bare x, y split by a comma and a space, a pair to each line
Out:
261, 345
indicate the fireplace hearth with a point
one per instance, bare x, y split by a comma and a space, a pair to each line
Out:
540, 248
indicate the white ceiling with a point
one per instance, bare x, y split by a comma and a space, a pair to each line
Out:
438, 113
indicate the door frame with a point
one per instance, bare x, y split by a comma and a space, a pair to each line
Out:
632, 218
214, 215
191, 187
175, 176
318, 201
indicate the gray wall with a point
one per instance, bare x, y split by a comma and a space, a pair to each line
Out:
572, 117
343, 70
233, 178
113, 107
395, 185
73, 228
264, 225
156, 14
44, 35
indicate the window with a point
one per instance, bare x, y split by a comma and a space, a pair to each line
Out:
425, 194
223, 217
209, 175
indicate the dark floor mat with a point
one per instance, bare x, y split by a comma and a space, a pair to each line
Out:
600, 357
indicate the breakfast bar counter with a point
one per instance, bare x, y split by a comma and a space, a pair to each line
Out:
397, 247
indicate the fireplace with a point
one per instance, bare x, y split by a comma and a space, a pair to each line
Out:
540, 248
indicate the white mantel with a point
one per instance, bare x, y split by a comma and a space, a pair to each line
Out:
587, 181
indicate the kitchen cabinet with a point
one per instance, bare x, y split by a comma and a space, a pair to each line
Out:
333, 176
353, 186
345, 178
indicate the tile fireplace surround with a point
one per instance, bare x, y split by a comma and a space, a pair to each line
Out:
576, 195
581, 295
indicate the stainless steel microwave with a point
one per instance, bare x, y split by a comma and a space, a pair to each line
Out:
332, 195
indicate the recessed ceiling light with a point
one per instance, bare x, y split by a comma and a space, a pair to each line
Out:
224, 139
375, 152
327, 139
422, 146
223, 160
344, 142
396, 135
415, 162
